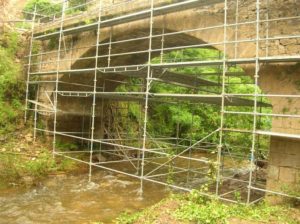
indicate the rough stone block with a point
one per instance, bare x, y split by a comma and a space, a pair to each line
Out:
282, 49
287, 175
273, 172
286, 42
286, 160
293, 49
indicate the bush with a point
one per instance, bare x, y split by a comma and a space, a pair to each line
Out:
47, 8
78, 4
11, 87
13, 166
215, 212
44, 7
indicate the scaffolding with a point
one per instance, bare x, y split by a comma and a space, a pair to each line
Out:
91, 81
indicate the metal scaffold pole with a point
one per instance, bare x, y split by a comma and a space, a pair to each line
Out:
29, 65
57, 76
36, 113
256, 80
267, 28
95, 92
236, 35
109, 46
140, 138
162, 42
221, 133
148, 83
190, 144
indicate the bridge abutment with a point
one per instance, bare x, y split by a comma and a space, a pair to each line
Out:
282, 83
284, 164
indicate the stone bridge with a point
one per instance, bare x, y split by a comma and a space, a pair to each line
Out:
203, 23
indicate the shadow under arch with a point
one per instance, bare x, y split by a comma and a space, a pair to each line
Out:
141, 46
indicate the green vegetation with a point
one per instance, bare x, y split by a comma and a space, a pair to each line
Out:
52, 43
203, 210
11, 87
48, 8
77, 6
126, 218
197, 120
66, 146
19, 156
44, 7
293, 190
193, 208
33, 164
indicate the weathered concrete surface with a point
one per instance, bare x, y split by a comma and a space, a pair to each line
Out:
274, 78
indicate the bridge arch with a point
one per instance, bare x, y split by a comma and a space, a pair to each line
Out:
275, 78
271, 77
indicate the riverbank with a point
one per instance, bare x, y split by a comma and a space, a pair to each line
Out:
193, 208
23, 161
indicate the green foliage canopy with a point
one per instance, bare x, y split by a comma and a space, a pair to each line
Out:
44, 7
197, 120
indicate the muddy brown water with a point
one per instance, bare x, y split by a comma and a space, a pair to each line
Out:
72, 199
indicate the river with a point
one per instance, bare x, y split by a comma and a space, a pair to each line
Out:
72, 199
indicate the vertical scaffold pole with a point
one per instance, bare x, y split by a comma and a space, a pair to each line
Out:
35, 113
57, 77
148, 83
256, 78
162, 42
191, 143
140, 129
95, 91
221, 135
236, 36
41, 62
109, 46
267, 28
139, 136
102, 127
29, 65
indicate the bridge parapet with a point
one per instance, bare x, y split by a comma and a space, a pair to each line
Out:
109, 10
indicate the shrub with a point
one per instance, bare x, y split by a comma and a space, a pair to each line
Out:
11, 87
44, 7
78, 5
